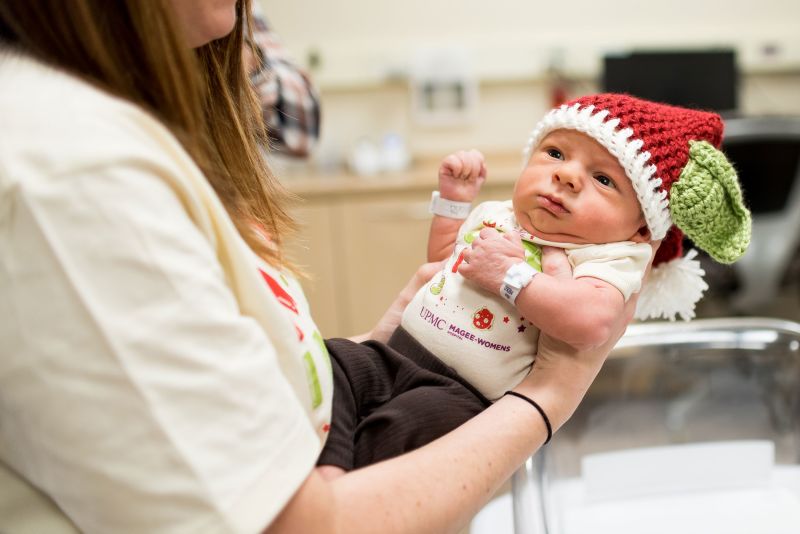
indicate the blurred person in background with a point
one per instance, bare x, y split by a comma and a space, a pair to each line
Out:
289, 100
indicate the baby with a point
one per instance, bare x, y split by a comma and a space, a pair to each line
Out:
604, 176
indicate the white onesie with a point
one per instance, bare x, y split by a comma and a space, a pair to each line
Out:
483, 336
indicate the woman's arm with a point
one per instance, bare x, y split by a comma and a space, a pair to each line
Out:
436, 488
439, 487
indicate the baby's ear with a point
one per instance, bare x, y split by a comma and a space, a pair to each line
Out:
642, 235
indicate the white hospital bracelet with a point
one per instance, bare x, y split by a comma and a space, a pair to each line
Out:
448, 208
517, 277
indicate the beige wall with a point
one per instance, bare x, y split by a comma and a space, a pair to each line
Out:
366, 48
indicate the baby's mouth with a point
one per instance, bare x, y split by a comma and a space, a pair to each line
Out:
552, 205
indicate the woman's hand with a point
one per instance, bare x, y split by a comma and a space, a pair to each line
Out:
391, 319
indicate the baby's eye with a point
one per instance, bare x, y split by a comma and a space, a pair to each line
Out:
605, 180
555, 153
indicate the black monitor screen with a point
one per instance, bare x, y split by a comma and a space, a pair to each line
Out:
773, 161
697, 79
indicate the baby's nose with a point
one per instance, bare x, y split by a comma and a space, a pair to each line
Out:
569, 176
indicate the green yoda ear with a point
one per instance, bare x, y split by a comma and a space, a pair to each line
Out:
706, 204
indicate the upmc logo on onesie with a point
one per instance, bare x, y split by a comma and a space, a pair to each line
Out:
482, 319
429, 317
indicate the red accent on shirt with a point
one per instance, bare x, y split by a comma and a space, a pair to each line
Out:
280, 293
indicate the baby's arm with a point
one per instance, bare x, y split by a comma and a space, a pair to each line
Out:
577, 311
461, 176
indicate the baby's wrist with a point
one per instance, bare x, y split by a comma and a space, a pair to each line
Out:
456, 196
458, 190
446, 207
516, 277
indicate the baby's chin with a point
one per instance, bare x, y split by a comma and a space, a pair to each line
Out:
541, 231
542, 226
559, 237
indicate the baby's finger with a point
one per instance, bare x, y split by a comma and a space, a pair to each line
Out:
475, 160
476, 155
453, 164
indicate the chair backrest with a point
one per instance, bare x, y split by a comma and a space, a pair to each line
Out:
766, 154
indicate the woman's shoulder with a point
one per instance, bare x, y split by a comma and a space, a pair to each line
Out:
58, 122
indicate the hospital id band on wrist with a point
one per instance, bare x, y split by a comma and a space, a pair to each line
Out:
538, 409
449, 208
517, 277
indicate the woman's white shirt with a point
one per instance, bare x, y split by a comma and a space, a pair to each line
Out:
154, 375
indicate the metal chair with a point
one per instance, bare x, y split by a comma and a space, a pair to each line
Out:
766, 153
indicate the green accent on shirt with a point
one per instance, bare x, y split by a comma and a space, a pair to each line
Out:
313, 380
321, 343
533, 255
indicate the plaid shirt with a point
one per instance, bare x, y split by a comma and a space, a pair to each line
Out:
288, 99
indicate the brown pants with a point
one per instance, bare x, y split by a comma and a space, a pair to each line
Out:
391, 398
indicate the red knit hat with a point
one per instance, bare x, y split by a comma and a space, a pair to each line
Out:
683, 182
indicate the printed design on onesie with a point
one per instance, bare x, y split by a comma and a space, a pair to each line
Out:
470, 236
474, 323
482, 319
437, 287
533, 252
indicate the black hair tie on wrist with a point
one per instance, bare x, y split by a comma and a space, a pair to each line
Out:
538, 409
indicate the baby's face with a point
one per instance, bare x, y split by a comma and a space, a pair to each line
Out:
573, 190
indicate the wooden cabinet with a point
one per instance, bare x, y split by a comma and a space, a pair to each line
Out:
384, 240
361, 241
314, 251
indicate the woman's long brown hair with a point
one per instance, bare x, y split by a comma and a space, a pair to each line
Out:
134, 49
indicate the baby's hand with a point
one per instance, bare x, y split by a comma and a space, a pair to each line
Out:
461, 176
491, 254
555, 263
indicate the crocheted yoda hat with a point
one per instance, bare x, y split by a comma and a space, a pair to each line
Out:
684, 183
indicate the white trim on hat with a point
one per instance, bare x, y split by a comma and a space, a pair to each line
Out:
647, 185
